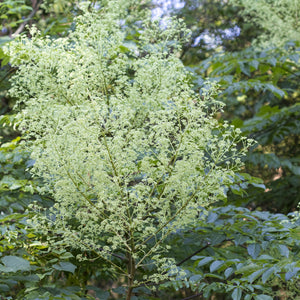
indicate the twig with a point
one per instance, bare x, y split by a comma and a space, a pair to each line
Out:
194, 296
201, 249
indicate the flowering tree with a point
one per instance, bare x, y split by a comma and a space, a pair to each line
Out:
128, 150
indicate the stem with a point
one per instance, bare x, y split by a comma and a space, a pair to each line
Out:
101, 256
153, 248
75, 183
131, 273
131, 261
131, 267
194, 296
116, 174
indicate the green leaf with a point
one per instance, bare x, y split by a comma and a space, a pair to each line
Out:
255, 275
195, 278
267, 274
240, 239
254, 64
290, 274
228, 272
237, 294
259, 185
254, 250
119, 290
263, 297
65, 266
217, 238
216, 265
284, 250
272, 61
214, 276
4, 287
212, 217
205, 261
15, 263
101, 294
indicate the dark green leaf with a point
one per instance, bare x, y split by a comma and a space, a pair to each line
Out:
255, 275
228, 272
65, 266
205, 261
263, 297
195, 278
254, 250
267, 274
290, 274
216, 265
237, 294
119, 290
4, 287
284, 250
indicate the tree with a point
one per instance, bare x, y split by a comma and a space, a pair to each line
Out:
126, 148
279, 19
260, 88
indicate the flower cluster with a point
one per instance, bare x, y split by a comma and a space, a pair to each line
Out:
128, 150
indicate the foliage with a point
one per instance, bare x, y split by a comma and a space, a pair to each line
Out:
261, 90
124, 145
215, 25
53, 16
17, 188
12, 13
260, 87
244, 254
17, 191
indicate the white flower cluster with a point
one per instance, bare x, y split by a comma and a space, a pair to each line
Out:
128, 150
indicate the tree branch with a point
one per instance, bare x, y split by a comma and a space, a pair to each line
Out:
30, 16
187, 258
194, 296
201, 249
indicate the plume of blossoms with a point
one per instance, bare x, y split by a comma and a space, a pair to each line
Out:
128, 150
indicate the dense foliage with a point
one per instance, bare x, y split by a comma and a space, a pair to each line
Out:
91, 94
260, 86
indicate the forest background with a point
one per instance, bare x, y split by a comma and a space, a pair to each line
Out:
244, 248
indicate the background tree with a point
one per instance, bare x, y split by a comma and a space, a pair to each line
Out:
260, 86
